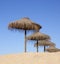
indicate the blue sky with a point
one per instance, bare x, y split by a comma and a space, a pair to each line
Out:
44, 12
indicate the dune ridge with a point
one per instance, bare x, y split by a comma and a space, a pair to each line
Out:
31, 58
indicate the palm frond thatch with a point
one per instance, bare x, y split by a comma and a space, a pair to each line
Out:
38, 36
24, 24
52, 49
44, 43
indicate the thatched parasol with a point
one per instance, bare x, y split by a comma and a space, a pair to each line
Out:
44, 43
24, 24
52, 49
38, 36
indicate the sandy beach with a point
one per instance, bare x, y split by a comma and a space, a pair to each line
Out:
31, 58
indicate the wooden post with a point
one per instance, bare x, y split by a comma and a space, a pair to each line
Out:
25, 42
44, 48
37, 45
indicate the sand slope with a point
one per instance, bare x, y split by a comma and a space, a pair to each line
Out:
31, 58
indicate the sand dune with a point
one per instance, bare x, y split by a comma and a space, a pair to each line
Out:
31, 58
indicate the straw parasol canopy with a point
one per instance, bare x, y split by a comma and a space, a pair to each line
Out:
44, 43
52, 49
38, 36
24, 24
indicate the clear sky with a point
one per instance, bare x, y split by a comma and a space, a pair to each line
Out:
44, 12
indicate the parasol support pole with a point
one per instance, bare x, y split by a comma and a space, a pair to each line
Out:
37, 45
44, 48
25, 42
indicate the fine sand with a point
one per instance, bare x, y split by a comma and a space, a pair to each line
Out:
31, 58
